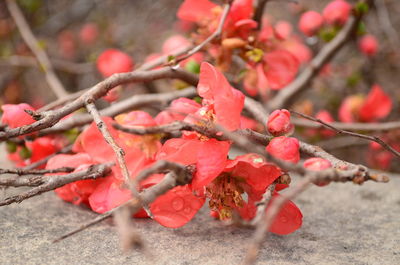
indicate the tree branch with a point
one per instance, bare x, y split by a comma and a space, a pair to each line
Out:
340, 131
288, 93
47, 183
49, 118
26, 33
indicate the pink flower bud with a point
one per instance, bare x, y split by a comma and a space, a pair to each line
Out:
174, 44
285, 148
15, 116
368, 45
113, 61
337, 12
317, 163
89, 33
310, 22
279, 122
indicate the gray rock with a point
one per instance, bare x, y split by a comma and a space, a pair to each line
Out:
343, 224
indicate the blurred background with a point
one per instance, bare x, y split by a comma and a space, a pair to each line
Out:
75, 32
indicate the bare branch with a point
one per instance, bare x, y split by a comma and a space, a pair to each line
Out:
362, 136
119, 152
49, 118
354, 126
47, 183
40, 162
38, 51
147, 196
129, 104
259, 11
21, 171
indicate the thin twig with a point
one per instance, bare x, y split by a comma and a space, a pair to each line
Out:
169, 181
355, 126
213, 36
119, 152
259, 11
359, 135
28, 61
21, 171
47, 183
38, 51
40, 162
128, 104
265, 223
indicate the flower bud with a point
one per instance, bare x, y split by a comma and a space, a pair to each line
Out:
337, 12
310, 22
114, 61
317, 163
279, 122
14, 115
368, 45
285, 148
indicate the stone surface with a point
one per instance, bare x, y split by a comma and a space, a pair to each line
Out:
343, 224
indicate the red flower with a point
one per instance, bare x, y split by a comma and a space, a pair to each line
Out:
337, 12
279, 122
250, 174
376, 106
350, 107
285, 148
195, 10
15, 116
77, 192
310, 22
114, 61
280, 68
368, 45
178, 110
227, 102
209, 156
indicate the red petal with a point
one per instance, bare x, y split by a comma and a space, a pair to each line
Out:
288, 220
376, 106
257, 173
107, 196
281, 68
178, 150
177, 207
228, 102
195, 10
211, 161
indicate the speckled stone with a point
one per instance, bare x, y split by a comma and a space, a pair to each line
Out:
343, 224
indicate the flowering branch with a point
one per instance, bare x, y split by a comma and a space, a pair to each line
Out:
288, 93
359, 135
131, 103
47, 183
147, 196
38, 51
213, 36
49, 118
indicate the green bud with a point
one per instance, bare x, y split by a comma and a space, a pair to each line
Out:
11, 147
361, 8
25, 153
193, 67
